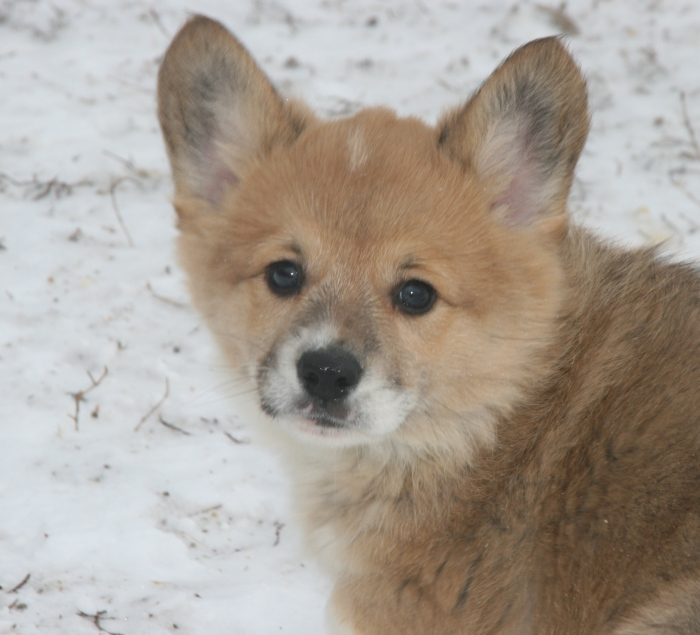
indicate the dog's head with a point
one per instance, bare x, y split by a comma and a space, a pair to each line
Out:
378, 279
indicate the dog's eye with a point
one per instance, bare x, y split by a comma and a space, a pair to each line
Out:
283, 277
415, 297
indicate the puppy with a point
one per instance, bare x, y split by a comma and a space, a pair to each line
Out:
492, 417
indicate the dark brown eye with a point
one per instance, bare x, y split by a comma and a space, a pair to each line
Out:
284, 277
414, 297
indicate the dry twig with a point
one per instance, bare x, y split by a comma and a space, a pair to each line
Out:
173, 427
685, 191
140, 173
157, 296
689, 126
100, 615
21, 584
693, 225
234, 439
207, 510
112, 194
278, 530
38, 189
17, 605
80, 395
157, 21
158, 405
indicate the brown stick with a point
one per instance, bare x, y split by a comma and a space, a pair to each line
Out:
172, 426
234, 439
80, 395
157, 296
158, 405
278, 529
117, 213
689, 126
100, 615
21, 584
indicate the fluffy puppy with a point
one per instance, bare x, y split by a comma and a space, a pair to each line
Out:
492, 417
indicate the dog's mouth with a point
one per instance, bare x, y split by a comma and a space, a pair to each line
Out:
324, 415
314, 423
324, 418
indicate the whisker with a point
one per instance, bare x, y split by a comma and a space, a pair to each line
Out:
239, 338
220, 398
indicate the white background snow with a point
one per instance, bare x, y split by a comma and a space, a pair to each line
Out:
134, 498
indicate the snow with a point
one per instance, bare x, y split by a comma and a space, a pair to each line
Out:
133, 492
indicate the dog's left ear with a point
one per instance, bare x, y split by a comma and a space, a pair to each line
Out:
522, 132
218, 113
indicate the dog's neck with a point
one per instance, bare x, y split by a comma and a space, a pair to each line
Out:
345, 496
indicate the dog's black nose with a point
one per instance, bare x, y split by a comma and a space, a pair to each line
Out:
329, 374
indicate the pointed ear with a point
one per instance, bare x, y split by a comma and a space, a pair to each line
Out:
218, 111
522, 133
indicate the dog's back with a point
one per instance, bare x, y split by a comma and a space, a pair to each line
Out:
595, 482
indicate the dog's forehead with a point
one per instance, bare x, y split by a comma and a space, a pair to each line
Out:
373, 139
371, 188
373, 176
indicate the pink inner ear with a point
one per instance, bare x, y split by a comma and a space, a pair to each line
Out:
522, 199
217, 177
220, 179
513, 164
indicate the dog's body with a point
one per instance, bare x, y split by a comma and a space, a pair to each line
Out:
496, 416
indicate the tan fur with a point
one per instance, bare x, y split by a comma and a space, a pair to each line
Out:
526, 457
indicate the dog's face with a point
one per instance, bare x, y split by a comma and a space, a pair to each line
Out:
378, 280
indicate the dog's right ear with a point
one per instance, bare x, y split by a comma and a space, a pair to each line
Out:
218, 112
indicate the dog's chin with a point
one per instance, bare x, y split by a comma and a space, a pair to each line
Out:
320, 430
323, 429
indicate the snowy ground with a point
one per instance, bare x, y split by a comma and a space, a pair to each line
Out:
133, 496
